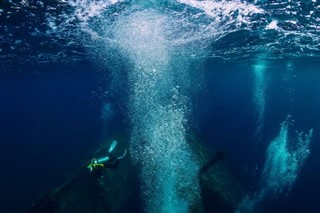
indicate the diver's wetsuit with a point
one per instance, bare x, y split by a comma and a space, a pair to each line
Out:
112, 163
97, 192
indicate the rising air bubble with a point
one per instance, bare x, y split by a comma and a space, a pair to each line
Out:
285, 157
259, 95
157, 113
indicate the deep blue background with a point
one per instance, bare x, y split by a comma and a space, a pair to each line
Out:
227, 120
50, 123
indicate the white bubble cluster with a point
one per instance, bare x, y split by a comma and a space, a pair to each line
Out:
158, 113
285, 157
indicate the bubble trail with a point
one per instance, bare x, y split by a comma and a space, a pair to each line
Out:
285, 157
158, 114
259, 95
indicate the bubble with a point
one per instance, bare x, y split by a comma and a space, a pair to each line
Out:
285, 157
259, 95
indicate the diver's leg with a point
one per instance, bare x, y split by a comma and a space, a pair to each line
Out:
115, 161
114, 164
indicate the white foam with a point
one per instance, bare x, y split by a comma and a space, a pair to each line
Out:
86, 9
223, 8
291, 21
273, 25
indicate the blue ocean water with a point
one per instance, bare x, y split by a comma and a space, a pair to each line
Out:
49, 124
228, 122
243, 76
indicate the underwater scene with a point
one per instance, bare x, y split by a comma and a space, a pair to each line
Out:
159, 106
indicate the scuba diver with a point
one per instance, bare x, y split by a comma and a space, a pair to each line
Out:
98, 165
85, 184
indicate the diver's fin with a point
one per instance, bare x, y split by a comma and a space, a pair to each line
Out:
122, 156
112, 146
